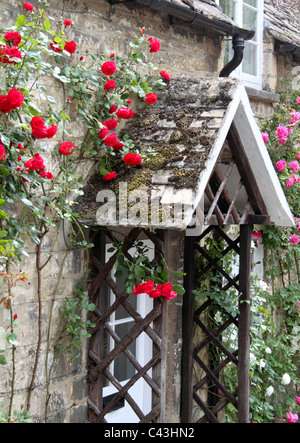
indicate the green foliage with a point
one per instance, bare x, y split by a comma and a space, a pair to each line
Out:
34, 199
76, 324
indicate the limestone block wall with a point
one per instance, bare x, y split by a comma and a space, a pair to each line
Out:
60, 388
99, 28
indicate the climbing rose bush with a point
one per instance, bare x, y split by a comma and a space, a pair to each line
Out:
41, 166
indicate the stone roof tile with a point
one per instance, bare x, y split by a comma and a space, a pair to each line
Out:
284, 20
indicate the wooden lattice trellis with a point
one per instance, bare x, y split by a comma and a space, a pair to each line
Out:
101, 359
193, 360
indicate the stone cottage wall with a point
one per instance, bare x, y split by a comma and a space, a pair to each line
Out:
98, 28
101, 29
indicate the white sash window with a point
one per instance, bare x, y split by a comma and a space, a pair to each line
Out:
248, 14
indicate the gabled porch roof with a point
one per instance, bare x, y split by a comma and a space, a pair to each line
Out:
210, 165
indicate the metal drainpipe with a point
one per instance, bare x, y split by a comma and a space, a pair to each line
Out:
238, 45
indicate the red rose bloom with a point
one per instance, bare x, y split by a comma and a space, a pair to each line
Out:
111, 84
36, 163
112, 124
118, 146
51, 131
70, 47
165, 75
4, 104
6, 53
154, 44
40, 133
132, 159
109, 68
111, 140
66, 148
110, 176
125, 113
13, 37
144, 288
147, 287
113, 109
14, 52
15, 98
151, 99
28, 6
67, 22
104, 131
55, 46
2, 152
37, 122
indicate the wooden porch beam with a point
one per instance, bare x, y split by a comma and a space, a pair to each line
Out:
244, 325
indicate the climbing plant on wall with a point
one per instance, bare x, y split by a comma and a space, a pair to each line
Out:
40, 163
275, 348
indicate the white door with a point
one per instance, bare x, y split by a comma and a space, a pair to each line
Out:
141, 348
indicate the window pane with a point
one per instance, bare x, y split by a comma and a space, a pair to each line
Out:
123, 369
250, 20
228, 8
251, 2
249, 65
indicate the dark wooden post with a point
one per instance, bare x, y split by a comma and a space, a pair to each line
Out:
172, 333
187, 332
244, 325
96, 342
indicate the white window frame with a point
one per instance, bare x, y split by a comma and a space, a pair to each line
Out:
253, 81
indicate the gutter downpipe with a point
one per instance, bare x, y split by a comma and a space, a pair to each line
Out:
195, 18
238, 45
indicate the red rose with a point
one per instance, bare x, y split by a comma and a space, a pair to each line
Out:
144, 288
14, 52
67, 22
28, 6
104, 131
137, 289
111, 84
110, 176
112, 124
35, 163
40, 133
148, 287
166, 289
165, 75
132, 159
109, 68
13, 37
110, 140
156, 293
2, 152
15, 98
113, 109
125, 113
66, 148
51, 131
171, 295
49, 175
151, 99
154, 44
55, 46
37, 122
4, 104
118, 146
70, 47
